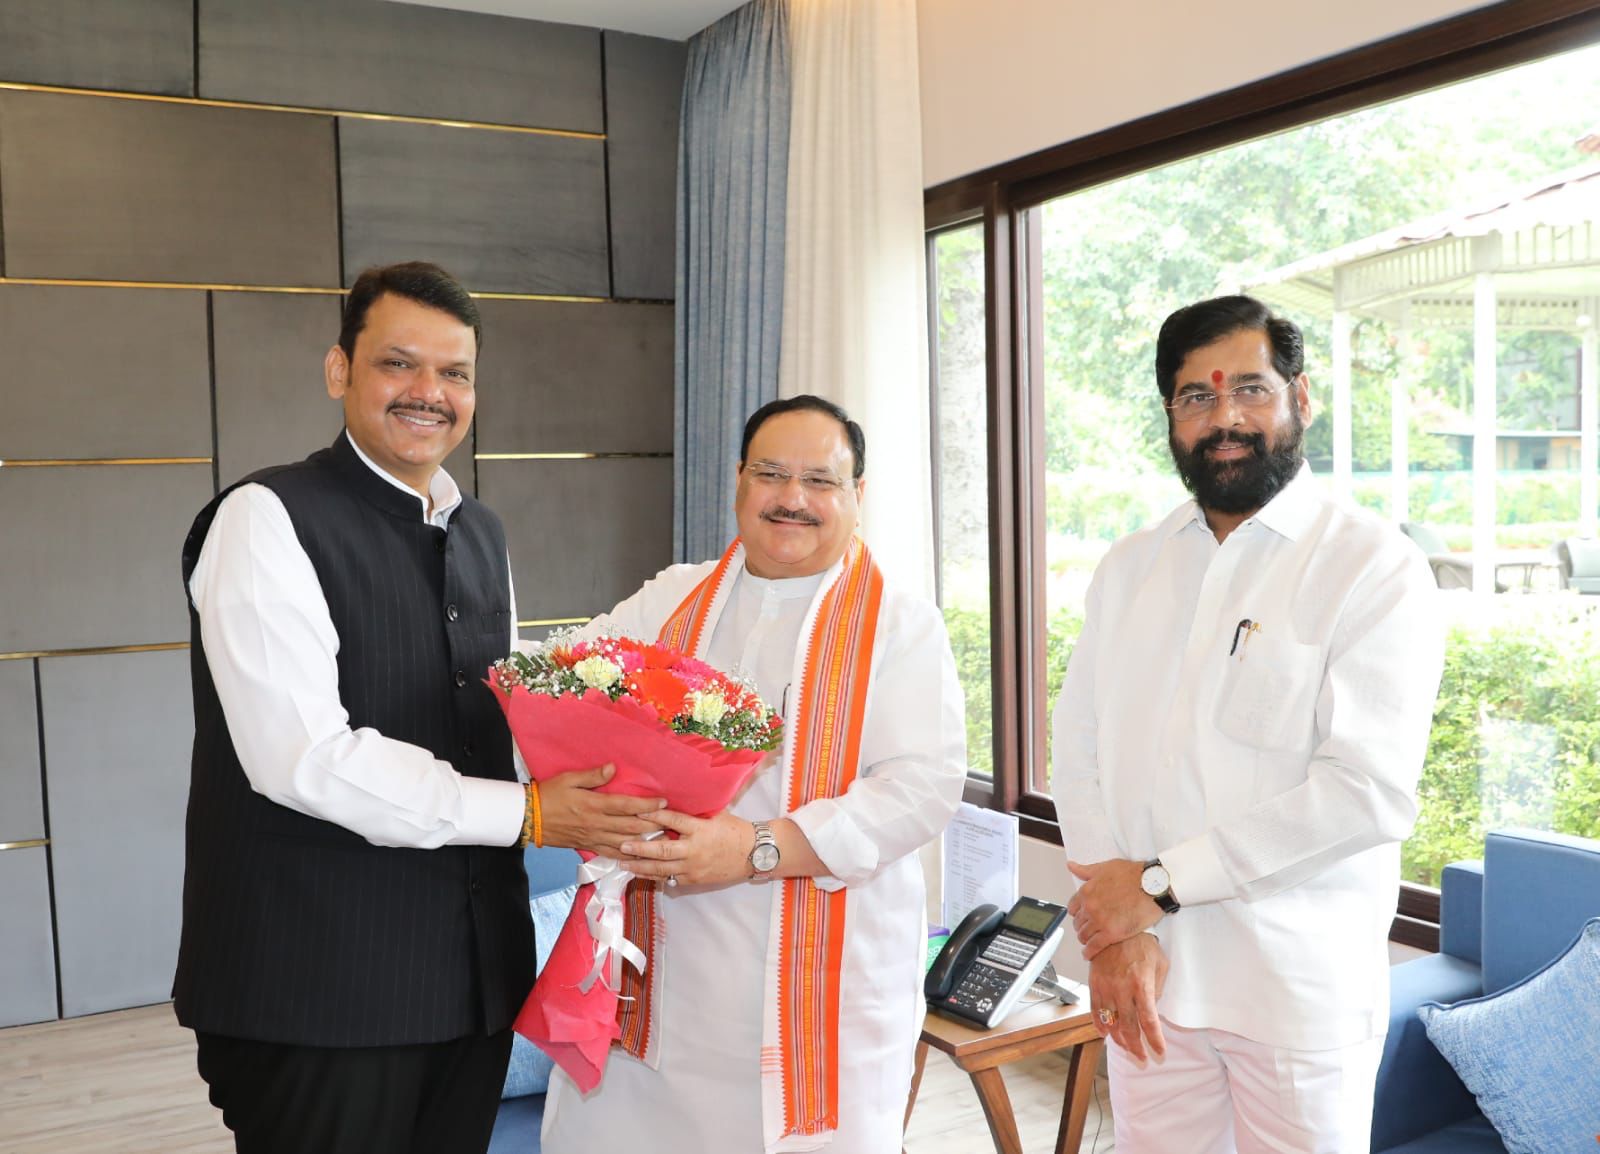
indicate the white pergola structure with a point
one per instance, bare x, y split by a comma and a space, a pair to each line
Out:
1529, 260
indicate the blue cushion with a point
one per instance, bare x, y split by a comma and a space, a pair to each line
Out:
516, 1127
1531, 1052
1473, 1136
549, 868
1538, 888
529, 1069
1461, 911
1417, 1091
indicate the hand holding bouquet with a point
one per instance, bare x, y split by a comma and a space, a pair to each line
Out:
673, 727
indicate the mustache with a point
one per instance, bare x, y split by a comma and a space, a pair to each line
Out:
1256, 441
423, 407
793, 516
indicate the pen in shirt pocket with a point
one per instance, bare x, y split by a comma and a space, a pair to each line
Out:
1243, 630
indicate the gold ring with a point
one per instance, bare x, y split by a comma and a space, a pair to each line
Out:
1107, 1016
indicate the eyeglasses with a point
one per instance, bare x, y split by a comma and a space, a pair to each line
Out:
1198, 402
771, 478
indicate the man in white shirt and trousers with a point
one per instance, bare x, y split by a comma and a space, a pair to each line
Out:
1236, 751
782, 1002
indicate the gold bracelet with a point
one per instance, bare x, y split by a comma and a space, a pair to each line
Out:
538, 815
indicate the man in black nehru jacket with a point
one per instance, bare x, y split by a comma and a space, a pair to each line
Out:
356, 938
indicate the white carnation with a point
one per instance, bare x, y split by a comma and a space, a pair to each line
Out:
707, 708
598, 672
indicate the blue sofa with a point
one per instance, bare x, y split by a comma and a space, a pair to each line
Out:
516, 1127
1499, 920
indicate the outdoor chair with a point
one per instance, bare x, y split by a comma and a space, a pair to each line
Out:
1580, 564
1450, 570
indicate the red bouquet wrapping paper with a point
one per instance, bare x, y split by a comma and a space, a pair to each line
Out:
649, 721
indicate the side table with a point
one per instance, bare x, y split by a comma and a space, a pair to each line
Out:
1037, 1029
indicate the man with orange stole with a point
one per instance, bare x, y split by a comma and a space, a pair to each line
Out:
780, 1006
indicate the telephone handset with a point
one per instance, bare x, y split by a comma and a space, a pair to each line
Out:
991, 958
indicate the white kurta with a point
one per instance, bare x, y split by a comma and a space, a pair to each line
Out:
1273, 770
706, 1094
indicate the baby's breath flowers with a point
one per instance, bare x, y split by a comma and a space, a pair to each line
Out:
686, 694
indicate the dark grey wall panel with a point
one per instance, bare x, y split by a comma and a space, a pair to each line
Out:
121, 45
21, 805
644, 89
370, 56
127, 371
564, 378
582, 534
100, 189
27, 956
272, 404
118, 789
462, 468
503, 211
92, 554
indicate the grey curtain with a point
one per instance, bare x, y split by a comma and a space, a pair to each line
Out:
733, 168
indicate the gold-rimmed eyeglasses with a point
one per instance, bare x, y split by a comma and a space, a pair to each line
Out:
1198, 402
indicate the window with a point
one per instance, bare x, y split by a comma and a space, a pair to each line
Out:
961, 497
1083, 268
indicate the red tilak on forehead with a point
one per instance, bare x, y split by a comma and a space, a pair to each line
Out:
1216, 376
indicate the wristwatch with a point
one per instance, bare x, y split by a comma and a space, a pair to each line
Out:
1156, 882
764, 856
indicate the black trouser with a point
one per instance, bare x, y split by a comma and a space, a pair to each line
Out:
439, 1098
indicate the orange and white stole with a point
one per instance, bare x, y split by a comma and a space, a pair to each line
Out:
822, 752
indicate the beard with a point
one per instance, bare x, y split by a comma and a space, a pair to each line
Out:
1245, 484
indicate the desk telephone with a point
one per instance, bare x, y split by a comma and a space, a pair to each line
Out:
992, 958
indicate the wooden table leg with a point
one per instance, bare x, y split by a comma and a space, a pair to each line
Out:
916, 1081
997, 1108
1081, 1067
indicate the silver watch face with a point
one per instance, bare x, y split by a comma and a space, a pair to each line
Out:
764, 858
1155, 880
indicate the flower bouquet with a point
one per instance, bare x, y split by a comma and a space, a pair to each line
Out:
673, 727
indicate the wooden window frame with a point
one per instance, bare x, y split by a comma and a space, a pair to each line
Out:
1471, 44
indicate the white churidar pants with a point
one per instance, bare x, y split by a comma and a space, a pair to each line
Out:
1219, 1093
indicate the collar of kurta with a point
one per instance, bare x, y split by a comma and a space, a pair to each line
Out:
1289, 514
388, 492
822, 752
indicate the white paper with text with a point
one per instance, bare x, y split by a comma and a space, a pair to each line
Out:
980, 861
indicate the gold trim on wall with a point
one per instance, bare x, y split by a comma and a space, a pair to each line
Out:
32, 843
553, 621
578, 300
58, 462
67, 282
188, 286
569, 456
161, 647
202, 102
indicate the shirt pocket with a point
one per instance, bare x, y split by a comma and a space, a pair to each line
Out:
1270, 700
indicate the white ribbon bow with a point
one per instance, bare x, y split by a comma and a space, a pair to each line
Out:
605, 917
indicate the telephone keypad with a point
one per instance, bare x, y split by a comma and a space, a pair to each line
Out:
1009, 949
983, 986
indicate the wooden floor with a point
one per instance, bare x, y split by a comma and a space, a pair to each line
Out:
125, 1083
949, 1120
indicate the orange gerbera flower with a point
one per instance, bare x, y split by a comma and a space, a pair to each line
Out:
660, 689
658, 657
